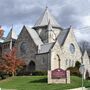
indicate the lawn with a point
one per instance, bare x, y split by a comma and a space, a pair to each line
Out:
39, 83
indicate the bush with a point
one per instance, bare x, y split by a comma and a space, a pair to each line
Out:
77, 64
74, 71
35, 73
40, 73
3, 75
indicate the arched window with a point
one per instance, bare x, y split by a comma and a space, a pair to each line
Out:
23, 48
72, 48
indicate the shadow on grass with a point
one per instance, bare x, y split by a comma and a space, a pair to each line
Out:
44, 80
87, 86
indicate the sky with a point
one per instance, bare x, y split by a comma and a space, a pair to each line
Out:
75, 13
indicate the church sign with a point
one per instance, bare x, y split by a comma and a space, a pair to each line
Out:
58, 73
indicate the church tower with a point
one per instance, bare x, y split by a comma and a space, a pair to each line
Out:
11, 35
51, 36
47, 27
9, 41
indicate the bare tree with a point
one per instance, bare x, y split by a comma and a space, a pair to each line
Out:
83, 45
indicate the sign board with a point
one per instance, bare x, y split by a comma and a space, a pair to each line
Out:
58, 73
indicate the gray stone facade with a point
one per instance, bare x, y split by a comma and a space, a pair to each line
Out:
26, 48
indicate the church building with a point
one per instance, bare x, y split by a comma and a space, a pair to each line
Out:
46, 46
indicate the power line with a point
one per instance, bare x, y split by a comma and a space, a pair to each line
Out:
86, 27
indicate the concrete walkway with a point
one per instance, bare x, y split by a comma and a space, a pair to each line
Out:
80, 88
6, 89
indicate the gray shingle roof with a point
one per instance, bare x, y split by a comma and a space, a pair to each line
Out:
34, 36
45, 18
62, 36
45, 48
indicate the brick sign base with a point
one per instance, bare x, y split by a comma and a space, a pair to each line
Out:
58, 76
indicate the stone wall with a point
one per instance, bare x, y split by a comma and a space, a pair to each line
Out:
42, 62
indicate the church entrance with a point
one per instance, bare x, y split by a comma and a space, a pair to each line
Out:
31, 66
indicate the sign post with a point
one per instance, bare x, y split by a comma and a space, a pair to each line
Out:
82, 70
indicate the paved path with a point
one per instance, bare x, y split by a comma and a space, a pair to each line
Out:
80, 88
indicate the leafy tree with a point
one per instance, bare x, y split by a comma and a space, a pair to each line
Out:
77, 64
75, 70
1, 32
11, 63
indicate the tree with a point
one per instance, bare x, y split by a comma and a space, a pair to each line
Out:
77, 64
11, 63
1, 32
83, 45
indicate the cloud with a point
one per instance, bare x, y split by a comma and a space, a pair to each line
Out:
27, 11
68, 16
67, 12
18, 11
81, 36
86, 20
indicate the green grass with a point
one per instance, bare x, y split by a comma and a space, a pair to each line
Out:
39, 83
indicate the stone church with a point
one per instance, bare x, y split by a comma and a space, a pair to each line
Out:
46, 46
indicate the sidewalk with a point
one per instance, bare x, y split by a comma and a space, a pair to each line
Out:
80, 88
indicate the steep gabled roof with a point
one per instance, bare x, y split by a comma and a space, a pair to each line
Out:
11, 35
45, 18
34, 35
62, 36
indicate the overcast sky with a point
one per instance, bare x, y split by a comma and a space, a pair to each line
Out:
66, 12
